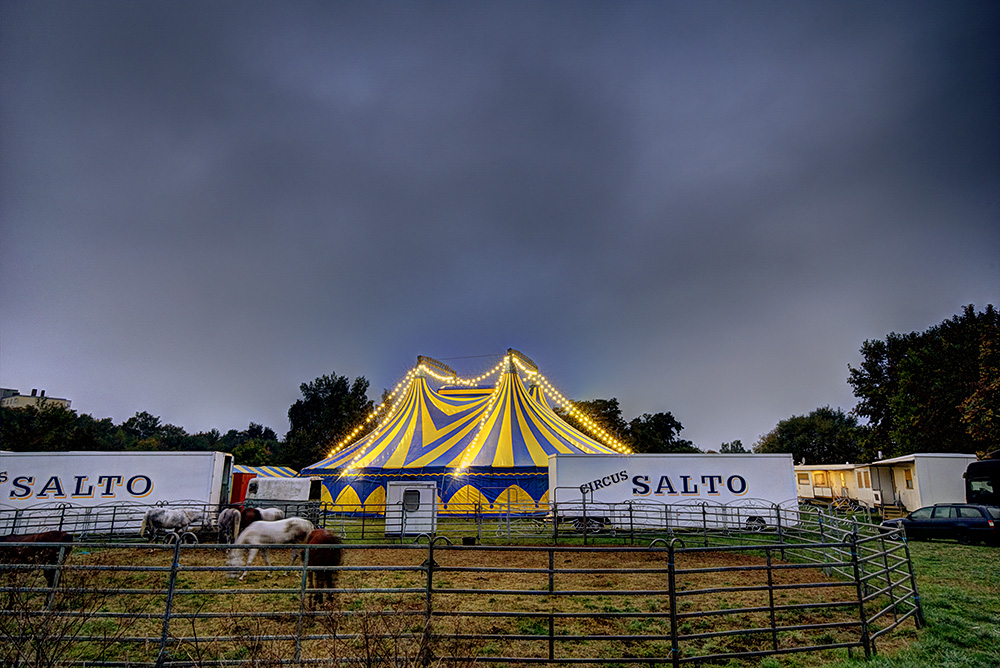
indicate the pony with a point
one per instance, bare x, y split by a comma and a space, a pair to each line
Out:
280, 532
41, 556
322, 556
229, 525
272, 514
166, 519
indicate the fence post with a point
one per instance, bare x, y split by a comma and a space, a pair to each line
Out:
888, 576
913, 583
302, 602
675, 651
171, 586
822, 539
426, 651
770, 599
552, 624
781, 530
429, 565
55, 578
865, 639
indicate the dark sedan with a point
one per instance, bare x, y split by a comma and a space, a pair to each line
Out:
964, 522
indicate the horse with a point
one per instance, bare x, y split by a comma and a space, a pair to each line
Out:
41, 556
250, 515
167, 519
280, 532
229, 525
322, 556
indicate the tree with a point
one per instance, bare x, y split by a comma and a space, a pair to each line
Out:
142, 426
45, 428
735, 447
648, 433
329, 408
606, 413
658, 433
825, 436
254, 452
254, 446
930, 391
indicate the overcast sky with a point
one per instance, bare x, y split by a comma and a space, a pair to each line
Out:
697, 207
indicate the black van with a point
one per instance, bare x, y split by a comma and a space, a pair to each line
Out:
982, 480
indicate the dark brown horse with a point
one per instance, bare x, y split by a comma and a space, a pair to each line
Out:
247, 517
16, 549
322, 556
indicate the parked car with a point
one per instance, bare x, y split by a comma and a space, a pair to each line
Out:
965, 522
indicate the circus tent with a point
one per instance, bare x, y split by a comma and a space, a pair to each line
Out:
486, 445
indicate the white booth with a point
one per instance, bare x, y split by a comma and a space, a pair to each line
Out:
410, 508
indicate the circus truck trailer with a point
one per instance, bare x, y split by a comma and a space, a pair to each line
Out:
666, 491
89, 491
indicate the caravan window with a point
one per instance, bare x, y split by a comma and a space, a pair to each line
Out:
908, 476
819, 478
803, 478
411, 500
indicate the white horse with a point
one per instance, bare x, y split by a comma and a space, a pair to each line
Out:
229, 525
280, 532
167, 519
272, 514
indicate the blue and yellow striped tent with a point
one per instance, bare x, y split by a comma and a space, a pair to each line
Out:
485, 445
266, 471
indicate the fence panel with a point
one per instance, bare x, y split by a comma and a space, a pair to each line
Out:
711, 593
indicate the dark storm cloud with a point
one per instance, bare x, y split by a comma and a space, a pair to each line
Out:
703, 208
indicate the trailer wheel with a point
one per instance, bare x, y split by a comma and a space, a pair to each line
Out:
756, 523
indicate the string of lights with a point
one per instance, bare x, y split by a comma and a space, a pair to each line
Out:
469, 451
524, 364
567, 405
389, 401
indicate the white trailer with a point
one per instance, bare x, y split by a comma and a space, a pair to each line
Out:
91, 489
671, 490
296, 497
265, 491
921, 479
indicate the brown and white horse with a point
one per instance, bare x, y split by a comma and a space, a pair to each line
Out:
281, 532
318, 554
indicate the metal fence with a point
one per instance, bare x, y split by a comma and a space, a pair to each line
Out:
717, 590
509, 521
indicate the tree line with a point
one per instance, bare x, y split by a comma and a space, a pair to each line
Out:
931, 391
